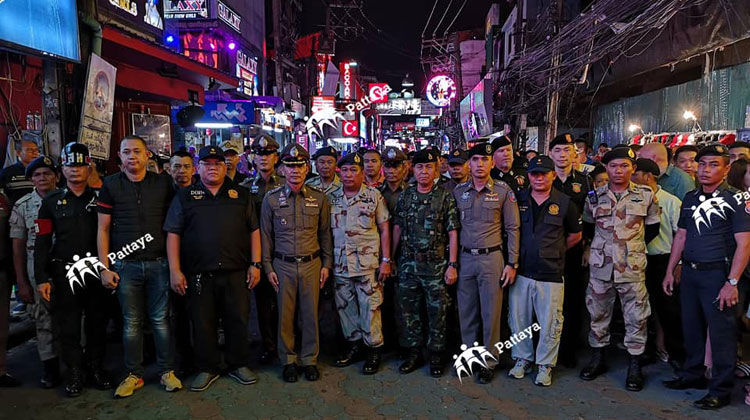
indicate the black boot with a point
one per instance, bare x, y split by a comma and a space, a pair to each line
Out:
596, 367
98, 377
74, 384
437, 365
51, 377
353, 355
413, 361
634, 381
372, 362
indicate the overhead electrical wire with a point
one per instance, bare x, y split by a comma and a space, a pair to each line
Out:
442, 18
454, 18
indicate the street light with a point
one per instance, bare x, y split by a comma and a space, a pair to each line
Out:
634, 127
407, 82
689, 115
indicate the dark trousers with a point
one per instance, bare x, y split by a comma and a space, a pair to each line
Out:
268, 316
391, 313
666, 308
67, 309
181, 326
5, 286
698, 291
574, 303
220, 294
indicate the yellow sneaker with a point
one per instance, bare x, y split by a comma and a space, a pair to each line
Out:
128, 386
170, 381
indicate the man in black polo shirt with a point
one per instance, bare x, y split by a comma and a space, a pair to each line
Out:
13, 178
132, 206
213, 243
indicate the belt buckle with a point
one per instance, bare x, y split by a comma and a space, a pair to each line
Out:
474, 251
694, 266
298, 259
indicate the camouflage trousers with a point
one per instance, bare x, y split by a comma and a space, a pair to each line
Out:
600, 301
416, 293
358, 300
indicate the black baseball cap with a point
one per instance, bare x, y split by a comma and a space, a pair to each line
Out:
541, 164
209, 152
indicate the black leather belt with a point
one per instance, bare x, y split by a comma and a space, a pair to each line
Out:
706, 266
481, 251
300, 259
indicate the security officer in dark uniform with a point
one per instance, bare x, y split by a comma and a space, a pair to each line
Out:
575, 185
67, 271
395, 165
266, 152
713, 241
504, 169
213, 246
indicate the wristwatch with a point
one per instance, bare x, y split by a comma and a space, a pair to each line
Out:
385, 260
453, 264
256, 265
733, 282
514, 265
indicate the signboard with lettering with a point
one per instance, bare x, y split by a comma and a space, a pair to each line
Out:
142, 15
185, 9
348, 92
228, 16
98, 105
400, 106
247, 72
320, 103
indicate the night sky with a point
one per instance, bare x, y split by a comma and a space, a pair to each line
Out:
395, 52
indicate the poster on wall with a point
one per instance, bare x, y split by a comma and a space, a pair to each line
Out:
96, 118
144, 15
155, 130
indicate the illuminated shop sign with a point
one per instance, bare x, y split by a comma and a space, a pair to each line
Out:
144, 15
441, 89
378, 93
229, 16
185, 9
247, 72
348, 91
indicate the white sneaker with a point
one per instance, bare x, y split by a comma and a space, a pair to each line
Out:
544, 376
520, 370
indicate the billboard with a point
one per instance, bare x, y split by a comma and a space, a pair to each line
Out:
43, 27
142, 15
185, 9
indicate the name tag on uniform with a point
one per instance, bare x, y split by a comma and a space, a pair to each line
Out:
254, 189
311, 202
282, 200
491, 197
197, 194
523, 208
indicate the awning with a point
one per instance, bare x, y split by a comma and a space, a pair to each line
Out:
147, 66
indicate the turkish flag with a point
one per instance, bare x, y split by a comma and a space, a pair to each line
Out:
350, 128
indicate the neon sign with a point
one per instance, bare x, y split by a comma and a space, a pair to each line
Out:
378, 93
229, 16
441, 89
346, 81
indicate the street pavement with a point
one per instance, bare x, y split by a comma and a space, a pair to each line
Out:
346, 394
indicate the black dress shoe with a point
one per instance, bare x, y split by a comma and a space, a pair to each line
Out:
99, 379
74, 384
437, 365
413, 361
266, 357
681, 383
8, 381
352, 355
312, 373
485, 375
634, 380
596, 367
290, 373
372, 362
711, 403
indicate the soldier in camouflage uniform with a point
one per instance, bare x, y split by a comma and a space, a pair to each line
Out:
43, 174
426, 224
359, 220
624, 218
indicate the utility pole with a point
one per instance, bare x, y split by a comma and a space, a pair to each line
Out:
553, 95
276, 11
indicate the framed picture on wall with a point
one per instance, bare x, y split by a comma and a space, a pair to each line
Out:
155, 129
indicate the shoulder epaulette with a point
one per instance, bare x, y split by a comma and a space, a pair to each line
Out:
276, 189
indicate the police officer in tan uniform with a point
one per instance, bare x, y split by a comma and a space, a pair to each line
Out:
361, 234
623, 217
487, 207
297, 257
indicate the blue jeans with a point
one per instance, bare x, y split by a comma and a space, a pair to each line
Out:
144, 289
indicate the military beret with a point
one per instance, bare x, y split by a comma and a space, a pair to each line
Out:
411, 154
459, 156
481, 149
648, 166
562, 139
712, 150
394, 155
739, 144
40, 162
326, 151
619, 153
501, 141
208, 152
351, 159
427, 155
541, 164
265, 143
294, 155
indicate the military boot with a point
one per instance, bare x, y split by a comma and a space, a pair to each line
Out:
51, 377
596, 367
75, 382
372, 362
437, 364
353, 355
413, 361
634, 381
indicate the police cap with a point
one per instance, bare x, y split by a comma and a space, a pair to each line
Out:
264, 145
294, 155
351, 159
712, 150
541, 164
75, 154
393, 155
40, 162
648, 166
427, 155
619, 153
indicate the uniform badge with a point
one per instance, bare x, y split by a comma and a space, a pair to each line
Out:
254, 188
311, 202
197, 194
747, 207
232, 193
283, 221
554, 209
511, 196
491, 197
263, 142
465, 196
64, 201
282, 200
576, 187
294, 152
520, 180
